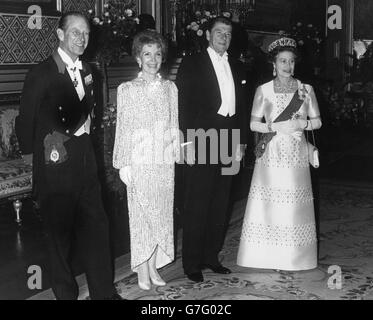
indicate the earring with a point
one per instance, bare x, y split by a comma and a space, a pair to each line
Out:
274, 71
139, 63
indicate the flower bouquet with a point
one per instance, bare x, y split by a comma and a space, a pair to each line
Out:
113, 31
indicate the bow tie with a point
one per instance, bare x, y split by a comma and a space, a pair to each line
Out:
223, 57
77, 65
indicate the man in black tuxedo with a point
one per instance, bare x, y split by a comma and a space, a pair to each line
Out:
211, 100
53, 130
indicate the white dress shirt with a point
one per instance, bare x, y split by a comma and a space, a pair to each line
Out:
226, 83
73, 68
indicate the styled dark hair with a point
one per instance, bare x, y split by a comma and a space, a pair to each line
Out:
273, 54
216, 20
148, 37
65, 16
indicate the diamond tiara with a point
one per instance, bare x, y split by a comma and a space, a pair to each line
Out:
283, 42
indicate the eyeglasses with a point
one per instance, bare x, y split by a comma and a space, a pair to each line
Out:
78, 34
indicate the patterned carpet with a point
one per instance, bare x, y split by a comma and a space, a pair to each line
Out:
346, 227
346, 241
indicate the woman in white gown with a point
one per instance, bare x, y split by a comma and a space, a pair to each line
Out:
279, 229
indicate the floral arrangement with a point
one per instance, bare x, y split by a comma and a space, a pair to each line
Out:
310, 42
105, 145
361, 70
112, 32
109, 118
344, 108
307, 35
194, 31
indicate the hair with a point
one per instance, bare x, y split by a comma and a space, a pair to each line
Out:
148, 37
62, 23
220, 19
273, 54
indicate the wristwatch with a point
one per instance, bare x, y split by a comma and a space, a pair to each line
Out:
269, 126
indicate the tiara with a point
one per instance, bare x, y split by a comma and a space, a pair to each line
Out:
283, 42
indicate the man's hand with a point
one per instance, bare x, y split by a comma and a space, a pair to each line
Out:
189, 154
27, 158
125, 175
240, 152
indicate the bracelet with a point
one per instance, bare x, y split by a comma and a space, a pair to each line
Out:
269, 126
305, 128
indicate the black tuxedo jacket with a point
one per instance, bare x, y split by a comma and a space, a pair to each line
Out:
200, 99
50, 103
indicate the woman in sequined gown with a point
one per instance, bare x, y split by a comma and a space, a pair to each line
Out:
279, 229
145, 150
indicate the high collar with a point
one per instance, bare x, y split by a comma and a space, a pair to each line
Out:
61, 64
68, 61
216, 56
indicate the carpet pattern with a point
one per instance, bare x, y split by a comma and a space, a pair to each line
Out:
346, 241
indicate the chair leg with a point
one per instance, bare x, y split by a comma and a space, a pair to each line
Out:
17, 205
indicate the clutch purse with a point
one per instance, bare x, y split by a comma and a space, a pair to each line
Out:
313, 155
312, 151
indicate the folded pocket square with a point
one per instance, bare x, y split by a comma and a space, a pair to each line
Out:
88, 80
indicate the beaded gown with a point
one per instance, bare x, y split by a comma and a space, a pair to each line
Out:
147, 140
279, 229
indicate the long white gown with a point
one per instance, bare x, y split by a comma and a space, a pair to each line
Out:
147, 139
279, 229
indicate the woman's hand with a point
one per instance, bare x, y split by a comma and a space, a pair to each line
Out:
299, 124
284, 127
289, 126
125, 175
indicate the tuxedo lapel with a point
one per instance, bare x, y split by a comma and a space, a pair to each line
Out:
87, 79
236, 80
68, 84
213, 84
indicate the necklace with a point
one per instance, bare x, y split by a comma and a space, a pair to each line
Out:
157, 78
151, 88
289, 87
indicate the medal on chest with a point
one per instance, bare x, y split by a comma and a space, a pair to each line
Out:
75, 81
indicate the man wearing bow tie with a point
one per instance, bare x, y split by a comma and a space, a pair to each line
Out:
212, 99
53, 129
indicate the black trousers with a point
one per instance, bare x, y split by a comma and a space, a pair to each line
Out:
72, 209
205, 216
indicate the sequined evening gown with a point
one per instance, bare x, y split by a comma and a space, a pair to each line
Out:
279, 229
147, 139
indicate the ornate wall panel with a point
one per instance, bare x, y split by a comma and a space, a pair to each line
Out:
21, 45
78, 5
